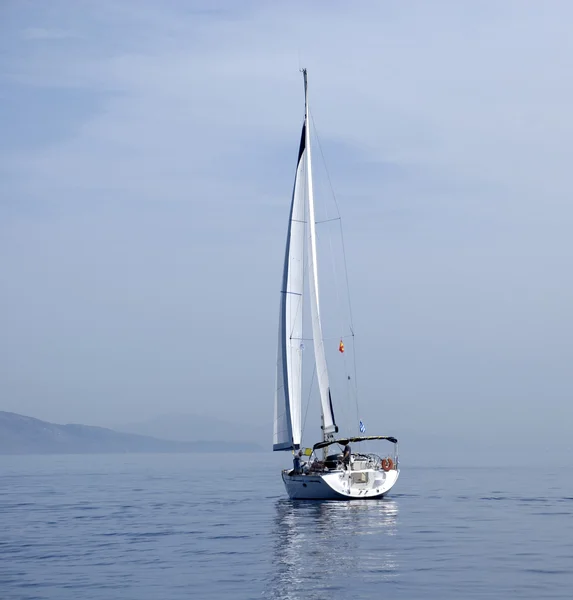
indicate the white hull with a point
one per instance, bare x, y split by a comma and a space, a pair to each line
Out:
340, 485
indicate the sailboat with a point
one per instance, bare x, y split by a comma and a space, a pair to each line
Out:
329, 470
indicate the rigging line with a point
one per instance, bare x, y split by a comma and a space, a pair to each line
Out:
339, 218
333, 263
349, 384
324, 339
350, 313
344, 258
298, 307
327, 220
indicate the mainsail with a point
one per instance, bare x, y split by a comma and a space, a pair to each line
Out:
288, 427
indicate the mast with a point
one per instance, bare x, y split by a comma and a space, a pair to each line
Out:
327, 414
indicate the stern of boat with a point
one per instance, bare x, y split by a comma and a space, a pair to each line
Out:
340, 485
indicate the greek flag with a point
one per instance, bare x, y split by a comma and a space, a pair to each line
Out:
362, 428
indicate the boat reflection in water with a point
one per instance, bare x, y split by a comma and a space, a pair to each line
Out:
322, 547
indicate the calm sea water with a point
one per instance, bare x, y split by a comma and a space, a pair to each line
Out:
171, 526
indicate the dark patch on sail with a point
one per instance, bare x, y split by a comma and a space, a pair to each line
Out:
332, 412
302, 143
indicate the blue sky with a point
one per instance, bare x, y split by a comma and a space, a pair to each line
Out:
147, 154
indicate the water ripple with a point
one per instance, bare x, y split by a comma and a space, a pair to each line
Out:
148, 527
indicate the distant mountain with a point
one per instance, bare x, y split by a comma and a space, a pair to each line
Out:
190, 428
26, 435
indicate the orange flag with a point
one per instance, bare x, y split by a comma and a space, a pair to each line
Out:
341, 347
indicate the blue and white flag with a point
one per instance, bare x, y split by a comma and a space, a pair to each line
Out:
362, 428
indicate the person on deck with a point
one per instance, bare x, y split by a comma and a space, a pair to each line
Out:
346, 456
296, 463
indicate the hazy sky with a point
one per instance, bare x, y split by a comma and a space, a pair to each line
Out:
147, 151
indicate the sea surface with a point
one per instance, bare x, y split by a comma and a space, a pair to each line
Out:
154, 527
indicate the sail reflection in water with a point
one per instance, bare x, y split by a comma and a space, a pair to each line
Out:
324, 547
